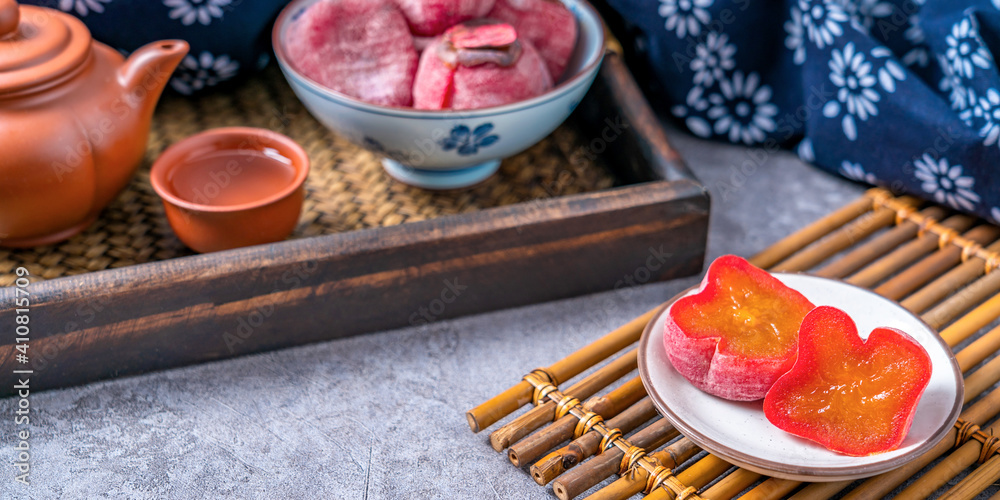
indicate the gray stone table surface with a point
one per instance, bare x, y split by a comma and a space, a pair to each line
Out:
374, 416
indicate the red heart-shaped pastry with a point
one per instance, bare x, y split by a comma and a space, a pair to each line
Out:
853, 396
737, 334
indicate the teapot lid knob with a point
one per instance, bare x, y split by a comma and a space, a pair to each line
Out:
10, 17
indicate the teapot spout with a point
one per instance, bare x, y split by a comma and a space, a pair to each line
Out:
146, 72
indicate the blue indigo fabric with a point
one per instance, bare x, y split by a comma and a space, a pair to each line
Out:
228, 38
899, 93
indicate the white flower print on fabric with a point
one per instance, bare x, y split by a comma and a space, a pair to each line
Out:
890, 70
795, 41
83, 7
805, 150
742, 110
697, 101
856, 77
866, 11
205, 71
966, 50
987, 112
855, 171
202, 11
712, 59
945, 182
960, 96
822, 20
919, 54
852, 75
995, 211
685, 16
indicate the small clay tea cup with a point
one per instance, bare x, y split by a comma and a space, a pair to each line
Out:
231, 187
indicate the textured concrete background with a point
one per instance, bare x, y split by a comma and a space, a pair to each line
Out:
377, 416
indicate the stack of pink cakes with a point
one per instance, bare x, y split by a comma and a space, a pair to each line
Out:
434, 54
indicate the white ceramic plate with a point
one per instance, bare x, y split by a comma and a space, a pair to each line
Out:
739, 432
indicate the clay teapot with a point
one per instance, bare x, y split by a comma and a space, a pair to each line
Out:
74, 120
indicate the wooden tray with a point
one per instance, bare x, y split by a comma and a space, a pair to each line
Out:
197, 308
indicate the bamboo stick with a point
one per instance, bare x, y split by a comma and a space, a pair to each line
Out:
877, 247
820, 491
799, 239
955, 279
976, 482
836, 241
940, 474
565, 458
607, 464
929, 268
972, 322
634, 482
980, 349
906, 254
982, 379
697, 476
878, 486
519, 395
975, 293
544, 413
606, 406
772, 489
731, 485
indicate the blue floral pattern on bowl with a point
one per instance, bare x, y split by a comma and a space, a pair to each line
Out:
467, 142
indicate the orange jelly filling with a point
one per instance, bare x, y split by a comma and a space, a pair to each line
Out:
752, 317
856, 395
853, 396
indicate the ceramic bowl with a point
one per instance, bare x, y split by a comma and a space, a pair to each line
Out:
215, 196
448, 149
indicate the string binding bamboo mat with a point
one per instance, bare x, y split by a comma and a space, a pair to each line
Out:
346, 190
938, 264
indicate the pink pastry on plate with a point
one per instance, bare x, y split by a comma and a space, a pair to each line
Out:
361, 48
479, 64
547, 24
433, 17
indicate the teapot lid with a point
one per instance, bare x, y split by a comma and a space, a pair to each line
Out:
38, 45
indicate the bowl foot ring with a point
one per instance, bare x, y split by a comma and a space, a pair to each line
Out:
440, 179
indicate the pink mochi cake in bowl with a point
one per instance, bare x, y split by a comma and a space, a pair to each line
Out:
433, 17
486, 94
479, 64
547, 24
355, 47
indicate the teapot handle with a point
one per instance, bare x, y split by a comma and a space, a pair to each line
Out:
10, 17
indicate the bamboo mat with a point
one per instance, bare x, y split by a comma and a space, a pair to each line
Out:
938, 264
346, 190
